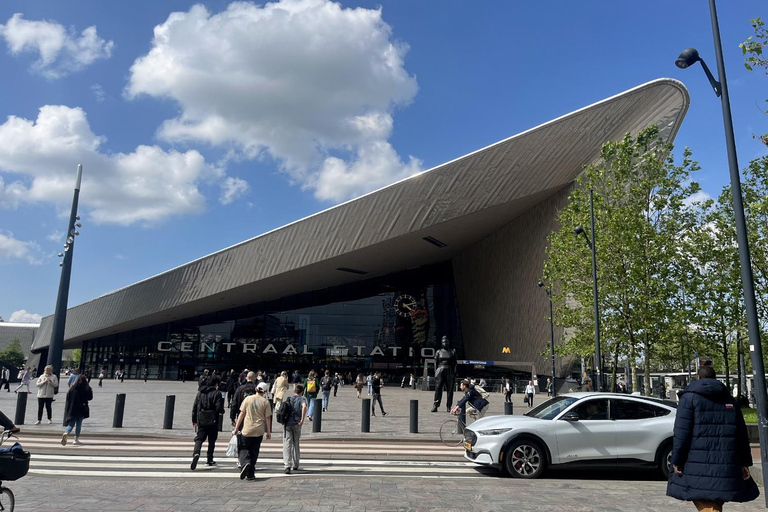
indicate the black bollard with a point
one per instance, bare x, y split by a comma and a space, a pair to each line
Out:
508, 408
365, 422
414, 417
21, 408
117, 420
221, 422
317, 416
170, 402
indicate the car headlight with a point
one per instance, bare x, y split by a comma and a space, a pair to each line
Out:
493, 431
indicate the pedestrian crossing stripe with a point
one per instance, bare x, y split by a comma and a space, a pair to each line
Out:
326, 462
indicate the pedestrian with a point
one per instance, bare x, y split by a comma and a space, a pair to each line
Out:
292, 429
5, 379
508, 388
376, 389
146, 374
76, 408
205, 419
232, 384
711, 454
122, 376
204, 377
45, 384
359, 383
326, 383
7, 424
26, 376
336, 382
241, 393
530, 390
412, 382
550, 387
256, 420
101, 376
370, 388
295, 379
279, 388
73, 377
311, 388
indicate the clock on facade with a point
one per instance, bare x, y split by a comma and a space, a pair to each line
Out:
405, 304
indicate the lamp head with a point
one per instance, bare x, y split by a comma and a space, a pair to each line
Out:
541, 283
687, 58
578, 230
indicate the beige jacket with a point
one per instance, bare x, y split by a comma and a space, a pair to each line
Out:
279, 388
45, 385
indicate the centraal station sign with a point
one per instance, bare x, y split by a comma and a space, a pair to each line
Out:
290, 349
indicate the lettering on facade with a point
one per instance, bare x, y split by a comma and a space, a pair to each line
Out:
506, 350
290, 349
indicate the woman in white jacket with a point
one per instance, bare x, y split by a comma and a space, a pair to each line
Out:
45, 384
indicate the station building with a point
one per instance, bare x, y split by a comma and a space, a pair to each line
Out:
374, 283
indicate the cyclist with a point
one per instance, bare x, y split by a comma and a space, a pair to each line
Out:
472, 398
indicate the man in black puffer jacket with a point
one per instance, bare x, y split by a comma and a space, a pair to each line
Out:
711, 454
205, 417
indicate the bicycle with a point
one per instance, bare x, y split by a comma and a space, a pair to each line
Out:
452, 430
13, 465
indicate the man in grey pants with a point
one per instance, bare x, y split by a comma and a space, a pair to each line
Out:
292, 428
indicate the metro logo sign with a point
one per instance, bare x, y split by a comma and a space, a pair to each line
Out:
505, 350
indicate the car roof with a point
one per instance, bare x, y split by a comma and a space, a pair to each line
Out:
582, 394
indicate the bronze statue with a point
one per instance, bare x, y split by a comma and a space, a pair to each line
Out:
445, 374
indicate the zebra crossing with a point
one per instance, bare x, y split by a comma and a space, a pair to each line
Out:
170, 458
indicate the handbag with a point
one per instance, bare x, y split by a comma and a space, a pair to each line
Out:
232, 447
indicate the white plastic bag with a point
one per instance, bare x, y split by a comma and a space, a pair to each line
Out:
232, 447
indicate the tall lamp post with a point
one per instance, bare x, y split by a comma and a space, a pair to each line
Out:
687, 58
580, 231
551, 338
56, 346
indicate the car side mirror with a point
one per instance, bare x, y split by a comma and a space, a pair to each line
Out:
571, 416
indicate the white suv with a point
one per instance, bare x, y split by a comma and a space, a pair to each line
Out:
577, 428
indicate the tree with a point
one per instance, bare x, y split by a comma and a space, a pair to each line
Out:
752, 49
643, 208
13, 355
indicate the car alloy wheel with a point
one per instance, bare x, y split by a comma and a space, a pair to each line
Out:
665, 461
525, 459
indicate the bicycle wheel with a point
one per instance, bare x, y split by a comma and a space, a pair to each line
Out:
7, 500
452, 432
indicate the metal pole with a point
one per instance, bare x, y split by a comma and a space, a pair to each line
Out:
755, 345
598, 357
508, 408
365, 420
414, 426
170, 403
60, 315
117, 419
317, 416
21, 408
552, 342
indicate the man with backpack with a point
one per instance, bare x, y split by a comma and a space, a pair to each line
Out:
475, 397
241, 393
326, 383
291, 414
205, 418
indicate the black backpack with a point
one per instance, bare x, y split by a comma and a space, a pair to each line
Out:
207, 415
284, 412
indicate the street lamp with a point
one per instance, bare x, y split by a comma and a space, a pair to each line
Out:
580, 231
687, 58
551, 338
56, 346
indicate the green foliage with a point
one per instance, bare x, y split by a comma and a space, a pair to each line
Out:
13, 355
752, 49
77, 356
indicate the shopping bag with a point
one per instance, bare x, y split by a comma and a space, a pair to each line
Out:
232, 447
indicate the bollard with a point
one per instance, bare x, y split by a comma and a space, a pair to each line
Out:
21, 408
317, 416
170, 402
365, 422
117, 420
414, 417
221, 422
508, 408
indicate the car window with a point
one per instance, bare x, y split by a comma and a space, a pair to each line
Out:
592, 410
551, 408
636, 410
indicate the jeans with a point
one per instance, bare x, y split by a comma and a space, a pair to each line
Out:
508, 396
76, 423
20, 386
6, 422
291, 451
376, 397
529, 398
370, 388
326, 395
44, 402
311, 407
249, 452
212, 433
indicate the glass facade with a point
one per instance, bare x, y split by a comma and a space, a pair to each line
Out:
391, 323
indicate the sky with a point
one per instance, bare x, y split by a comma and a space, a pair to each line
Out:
201, 125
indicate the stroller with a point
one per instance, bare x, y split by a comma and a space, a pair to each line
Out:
14, 464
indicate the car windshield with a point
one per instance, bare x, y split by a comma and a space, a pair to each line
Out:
551, 408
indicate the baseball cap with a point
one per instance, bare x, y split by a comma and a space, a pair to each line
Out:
263, 387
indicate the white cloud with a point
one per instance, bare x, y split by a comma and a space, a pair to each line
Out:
56, 237
23, 317
698, 197
98, 92
60, 51
144, 186
306, 82
14, 249
233, 189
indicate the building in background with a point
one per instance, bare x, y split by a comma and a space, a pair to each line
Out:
375, 282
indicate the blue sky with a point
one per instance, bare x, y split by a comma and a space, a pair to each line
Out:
203, 125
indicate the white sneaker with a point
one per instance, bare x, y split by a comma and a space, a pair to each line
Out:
50, 422
77, 441
37, 422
